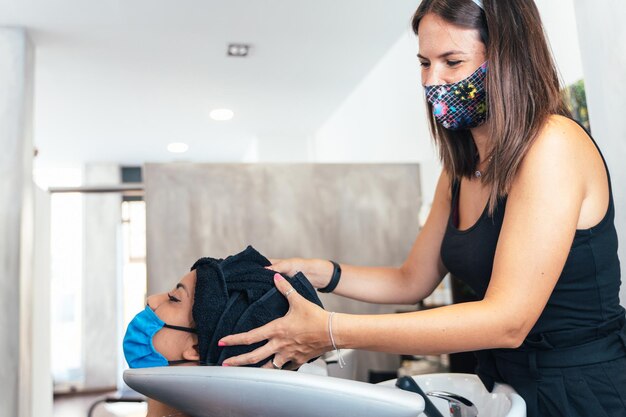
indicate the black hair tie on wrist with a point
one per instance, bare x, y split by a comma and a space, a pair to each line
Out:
334, 280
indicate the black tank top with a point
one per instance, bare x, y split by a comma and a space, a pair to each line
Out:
587, 291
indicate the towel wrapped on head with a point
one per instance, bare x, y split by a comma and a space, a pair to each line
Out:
235, 295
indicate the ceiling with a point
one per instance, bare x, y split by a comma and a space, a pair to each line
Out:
117, 80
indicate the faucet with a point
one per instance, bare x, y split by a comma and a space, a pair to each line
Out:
459, 406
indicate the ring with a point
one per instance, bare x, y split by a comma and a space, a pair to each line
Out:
288, 292
275, 366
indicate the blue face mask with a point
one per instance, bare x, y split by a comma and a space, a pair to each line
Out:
138, 348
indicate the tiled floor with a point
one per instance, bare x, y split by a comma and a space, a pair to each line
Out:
78, 406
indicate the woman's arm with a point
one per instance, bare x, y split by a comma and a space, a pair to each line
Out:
415, 280
542, 213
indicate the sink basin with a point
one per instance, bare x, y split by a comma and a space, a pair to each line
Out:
502, 402
215, 391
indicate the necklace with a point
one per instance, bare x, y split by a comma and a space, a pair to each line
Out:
478, 173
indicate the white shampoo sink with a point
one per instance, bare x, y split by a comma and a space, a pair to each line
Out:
502, 402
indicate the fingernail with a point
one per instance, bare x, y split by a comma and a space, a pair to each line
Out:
221, 344
225, 364
278, 277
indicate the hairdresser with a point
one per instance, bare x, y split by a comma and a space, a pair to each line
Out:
523, 213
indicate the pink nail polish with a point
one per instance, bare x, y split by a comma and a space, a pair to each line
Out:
278, 277
225, 364
221, 344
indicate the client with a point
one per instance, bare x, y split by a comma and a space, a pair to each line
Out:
216, 298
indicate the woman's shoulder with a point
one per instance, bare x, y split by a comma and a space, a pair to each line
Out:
562, 126
560, 140
555, 158
563, 165
556, 154
562, 130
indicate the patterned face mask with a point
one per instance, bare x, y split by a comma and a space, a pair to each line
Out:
460, 105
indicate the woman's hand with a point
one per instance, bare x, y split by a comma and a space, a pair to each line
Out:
317, 271
299, 336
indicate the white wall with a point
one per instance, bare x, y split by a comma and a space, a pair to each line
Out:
602, 37
559, 19
383, 119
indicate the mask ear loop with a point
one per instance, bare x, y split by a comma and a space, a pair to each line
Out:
180, 361
181, 328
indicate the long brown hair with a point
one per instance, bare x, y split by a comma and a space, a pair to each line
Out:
522, 84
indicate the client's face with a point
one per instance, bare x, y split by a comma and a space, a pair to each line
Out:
174, 308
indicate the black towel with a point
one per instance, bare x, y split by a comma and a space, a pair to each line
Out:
238, 294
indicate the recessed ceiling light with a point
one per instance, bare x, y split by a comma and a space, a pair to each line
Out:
177, 147
238, 49
221, 114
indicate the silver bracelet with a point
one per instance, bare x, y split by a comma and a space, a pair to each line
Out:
340, 360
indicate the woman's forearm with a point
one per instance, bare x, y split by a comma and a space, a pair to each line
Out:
382, 285
455, 328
